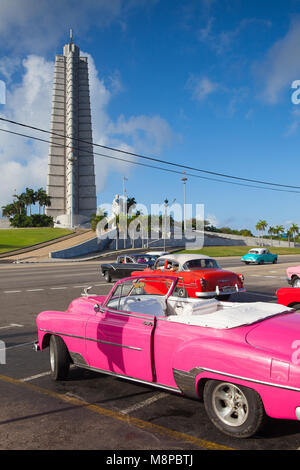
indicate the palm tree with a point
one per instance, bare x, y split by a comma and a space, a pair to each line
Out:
294, 230
9, 210
271, 232
261, 226
30, 197
279, 229
131, 202
20, 203
43, 199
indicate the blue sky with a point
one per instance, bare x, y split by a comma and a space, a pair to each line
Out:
205, 83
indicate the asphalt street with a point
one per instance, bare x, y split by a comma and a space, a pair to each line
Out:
93, 411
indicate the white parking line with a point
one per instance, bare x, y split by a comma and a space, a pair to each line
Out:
150, 400
43, 374
12, 325
58, 288
11, 291
18, 345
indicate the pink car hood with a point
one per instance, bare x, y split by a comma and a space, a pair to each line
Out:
276, 334
85, 304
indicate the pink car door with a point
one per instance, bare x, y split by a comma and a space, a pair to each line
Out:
120, 342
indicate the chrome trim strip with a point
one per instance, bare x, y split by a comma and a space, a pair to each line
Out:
185, 382
133, 379
91, 339
199, 370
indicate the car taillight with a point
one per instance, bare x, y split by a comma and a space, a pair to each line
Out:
203, 283
242, 278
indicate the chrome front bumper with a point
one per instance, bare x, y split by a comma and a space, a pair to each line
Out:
36, 346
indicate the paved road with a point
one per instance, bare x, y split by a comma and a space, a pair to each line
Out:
92, 411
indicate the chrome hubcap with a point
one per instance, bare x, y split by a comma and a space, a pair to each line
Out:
230, 404
297, 283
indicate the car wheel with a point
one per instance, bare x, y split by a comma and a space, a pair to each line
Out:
275, 261
296, 282
59, 358
295, 306
247, 262
261, 261
236, 410
107, 276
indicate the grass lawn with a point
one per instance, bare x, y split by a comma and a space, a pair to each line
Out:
13, 239
216, 251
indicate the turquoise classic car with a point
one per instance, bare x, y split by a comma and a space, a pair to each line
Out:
259, 256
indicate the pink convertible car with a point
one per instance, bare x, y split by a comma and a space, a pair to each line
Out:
242, 359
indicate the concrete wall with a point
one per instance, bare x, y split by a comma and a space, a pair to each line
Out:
4, 223
108, 242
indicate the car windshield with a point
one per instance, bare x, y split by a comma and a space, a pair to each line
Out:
254, 252
141, 259
200, 264
140, 295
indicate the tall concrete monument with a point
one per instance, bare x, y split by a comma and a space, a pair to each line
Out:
71, 174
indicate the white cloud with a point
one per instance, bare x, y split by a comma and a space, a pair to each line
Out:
281, 65
201, 87
23, 162
36, 26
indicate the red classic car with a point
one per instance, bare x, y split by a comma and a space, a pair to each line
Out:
238, 357
289, 296
200, 276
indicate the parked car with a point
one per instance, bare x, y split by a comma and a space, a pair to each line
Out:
293, 276
289, 296
124, 266
200, 276
236, 356
259, 256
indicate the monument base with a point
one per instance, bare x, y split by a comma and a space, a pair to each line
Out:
75, 221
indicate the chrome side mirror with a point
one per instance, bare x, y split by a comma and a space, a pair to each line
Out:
97, 308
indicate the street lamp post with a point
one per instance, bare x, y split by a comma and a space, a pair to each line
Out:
184, 180
125, 210
166, 202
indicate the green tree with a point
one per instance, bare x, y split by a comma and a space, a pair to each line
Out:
30, 198
9, 210
20, 203
43, 199
271, 233
294, 230
278, 230
261, 227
